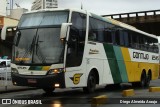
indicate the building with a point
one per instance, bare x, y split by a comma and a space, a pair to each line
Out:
3, 7
44, 4
7, 21
17, 13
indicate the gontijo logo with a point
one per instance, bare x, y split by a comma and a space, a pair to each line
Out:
76, 78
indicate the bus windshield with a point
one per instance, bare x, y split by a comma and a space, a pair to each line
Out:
37, 40
43, 19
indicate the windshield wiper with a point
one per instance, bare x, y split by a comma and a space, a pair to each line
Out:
38, 51
39, 54
29, 49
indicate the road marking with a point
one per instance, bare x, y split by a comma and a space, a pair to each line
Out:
129, 92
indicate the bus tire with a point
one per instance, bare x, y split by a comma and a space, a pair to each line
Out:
148, 79
48, 90
143, 80
91, 83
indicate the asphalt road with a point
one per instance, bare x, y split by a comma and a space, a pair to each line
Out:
76, 97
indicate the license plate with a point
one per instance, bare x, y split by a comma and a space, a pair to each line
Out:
32, 81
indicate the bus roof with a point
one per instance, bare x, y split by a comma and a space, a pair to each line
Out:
109, 20
58, 9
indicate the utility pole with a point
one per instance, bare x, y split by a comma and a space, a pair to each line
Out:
11, 4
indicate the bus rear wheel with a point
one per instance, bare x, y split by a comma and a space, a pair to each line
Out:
91, 83
48, 90
148, 79
142, 82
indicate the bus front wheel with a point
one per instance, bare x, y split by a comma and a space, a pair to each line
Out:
48, 90
91, 83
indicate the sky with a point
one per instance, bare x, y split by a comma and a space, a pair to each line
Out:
103, 7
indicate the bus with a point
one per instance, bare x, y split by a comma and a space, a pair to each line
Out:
71, 48
6, 51
5, 69
6, 41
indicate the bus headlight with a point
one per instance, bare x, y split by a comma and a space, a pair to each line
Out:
55, 71
14, 70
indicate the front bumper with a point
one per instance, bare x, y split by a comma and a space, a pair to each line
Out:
45, 81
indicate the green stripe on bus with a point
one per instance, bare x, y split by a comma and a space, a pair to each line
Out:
112, 63
121, 64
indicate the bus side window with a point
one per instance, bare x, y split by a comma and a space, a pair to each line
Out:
121, 34
129, 39
108, 33
149, 44
145, 44
155, 43
126, 39
135, 40
92, 36
76, 40
117, 37
92, 30
100, 30
107, 36
96, 30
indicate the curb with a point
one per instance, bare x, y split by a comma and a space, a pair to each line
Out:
129, 92
16, 90
99, 100
154, 89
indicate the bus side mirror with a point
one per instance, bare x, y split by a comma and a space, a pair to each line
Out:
64, 29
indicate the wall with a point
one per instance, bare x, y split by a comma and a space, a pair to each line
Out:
17, 13
10, 22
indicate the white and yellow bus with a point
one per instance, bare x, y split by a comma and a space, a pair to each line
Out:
64, 48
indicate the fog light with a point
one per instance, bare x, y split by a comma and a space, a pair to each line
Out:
14, 83
56, 85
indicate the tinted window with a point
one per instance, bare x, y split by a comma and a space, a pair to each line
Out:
43, 18
101, 31
76, 40
126, 38
96, 30
109, 32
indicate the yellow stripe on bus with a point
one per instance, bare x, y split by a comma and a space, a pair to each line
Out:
134, 69
128, 63
45, 68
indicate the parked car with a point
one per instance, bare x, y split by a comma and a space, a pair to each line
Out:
5, 69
